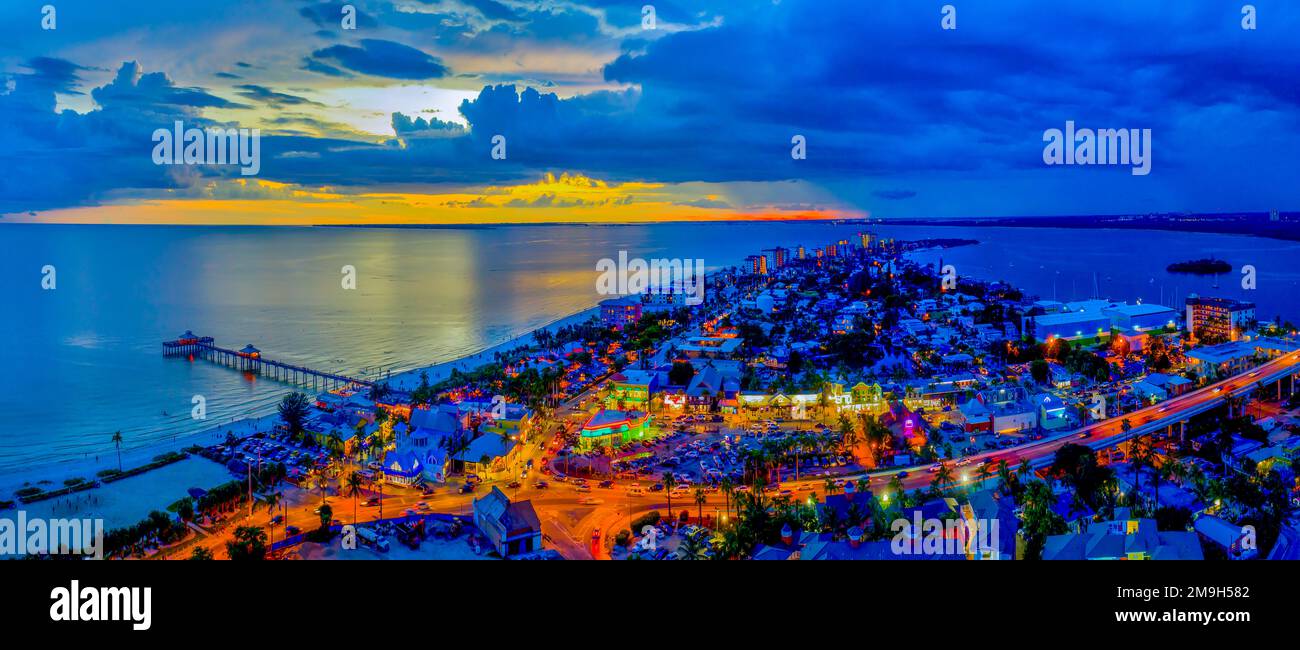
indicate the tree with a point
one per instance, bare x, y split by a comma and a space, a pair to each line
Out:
249, 544
728, 490
271, 499
681, 373
669, 482
294, 409
200, 553
353, 485
1039, 518
326, 514
700, 498
942, 478
117, 442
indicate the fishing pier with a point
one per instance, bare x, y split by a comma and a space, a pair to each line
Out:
250, 359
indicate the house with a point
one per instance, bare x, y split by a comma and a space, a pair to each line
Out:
511, 528
487, 453
975, 417
1012, 409
982, 509
1052, 413
631, 390
403, 468
1124, 538
1231, 538
905, 424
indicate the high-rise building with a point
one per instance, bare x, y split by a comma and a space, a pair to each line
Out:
757, 264
1218, 319
802, 253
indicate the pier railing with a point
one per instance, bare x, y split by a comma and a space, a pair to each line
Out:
250, 359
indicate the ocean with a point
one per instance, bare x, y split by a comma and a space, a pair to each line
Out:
83, 359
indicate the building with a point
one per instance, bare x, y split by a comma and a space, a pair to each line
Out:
1218, 319
511, 528
631, 390
613, 428
1069, 325
1141, 317
1124, 538
620, 312
403, 468
1226, 359
757, 264
1231, 538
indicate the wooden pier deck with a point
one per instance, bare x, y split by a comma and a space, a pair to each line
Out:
250, 359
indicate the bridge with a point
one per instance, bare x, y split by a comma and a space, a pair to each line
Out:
250, 359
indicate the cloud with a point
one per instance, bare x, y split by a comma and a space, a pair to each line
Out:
272, 98
330, 14
893, 195
379, 58
405, 126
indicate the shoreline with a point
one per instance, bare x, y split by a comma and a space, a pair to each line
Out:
53, 473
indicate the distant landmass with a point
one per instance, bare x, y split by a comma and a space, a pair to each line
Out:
1207, 266
1277, 225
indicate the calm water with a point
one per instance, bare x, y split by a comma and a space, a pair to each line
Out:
84, 360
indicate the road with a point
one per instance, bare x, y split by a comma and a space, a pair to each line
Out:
580, 530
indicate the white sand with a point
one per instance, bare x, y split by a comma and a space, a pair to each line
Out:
128, 501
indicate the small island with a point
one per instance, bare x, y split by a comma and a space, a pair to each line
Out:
1208, 266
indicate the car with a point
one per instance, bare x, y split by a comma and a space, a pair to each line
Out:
786, 493
292, 530
901, 475
606, 484
560, 478
372, 501
936, 467
514, 485
584, 488
657, 487
541, 485
466, 488
1085, 434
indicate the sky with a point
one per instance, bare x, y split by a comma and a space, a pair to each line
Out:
608, 116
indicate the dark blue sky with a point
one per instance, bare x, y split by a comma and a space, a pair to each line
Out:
901, 117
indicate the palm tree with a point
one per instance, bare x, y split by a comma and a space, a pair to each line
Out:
271, 499
1141, 453
942, 477
117, 442
700, 498
728, 489
353, 484
896, 486
669, 482
830, 486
